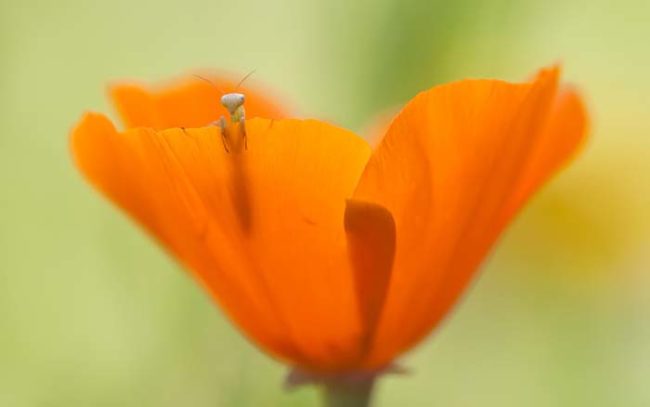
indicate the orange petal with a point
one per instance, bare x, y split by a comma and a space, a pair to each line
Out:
191, 102
371, 241
448, 170
565, 131
263, 228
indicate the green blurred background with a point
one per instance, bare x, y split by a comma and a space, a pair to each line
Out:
93, 314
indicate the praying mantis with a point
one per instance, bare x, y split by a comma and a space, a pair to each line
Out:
234, 104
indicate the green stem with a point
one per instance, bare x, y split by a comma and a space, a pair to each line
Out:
348, 393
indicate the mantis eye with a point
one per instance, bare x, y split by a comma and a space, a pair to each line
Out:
232, 101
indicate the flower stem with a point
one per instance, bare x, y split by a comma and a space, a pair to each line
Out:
348, 393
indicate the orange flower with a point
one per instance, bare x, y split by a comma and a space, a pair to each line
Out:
330, 256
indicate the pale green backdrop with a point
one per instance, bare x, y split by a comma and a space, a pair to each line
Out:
93, 314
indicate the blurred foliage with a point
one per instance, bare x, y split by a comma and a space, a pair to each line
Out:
92, 313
